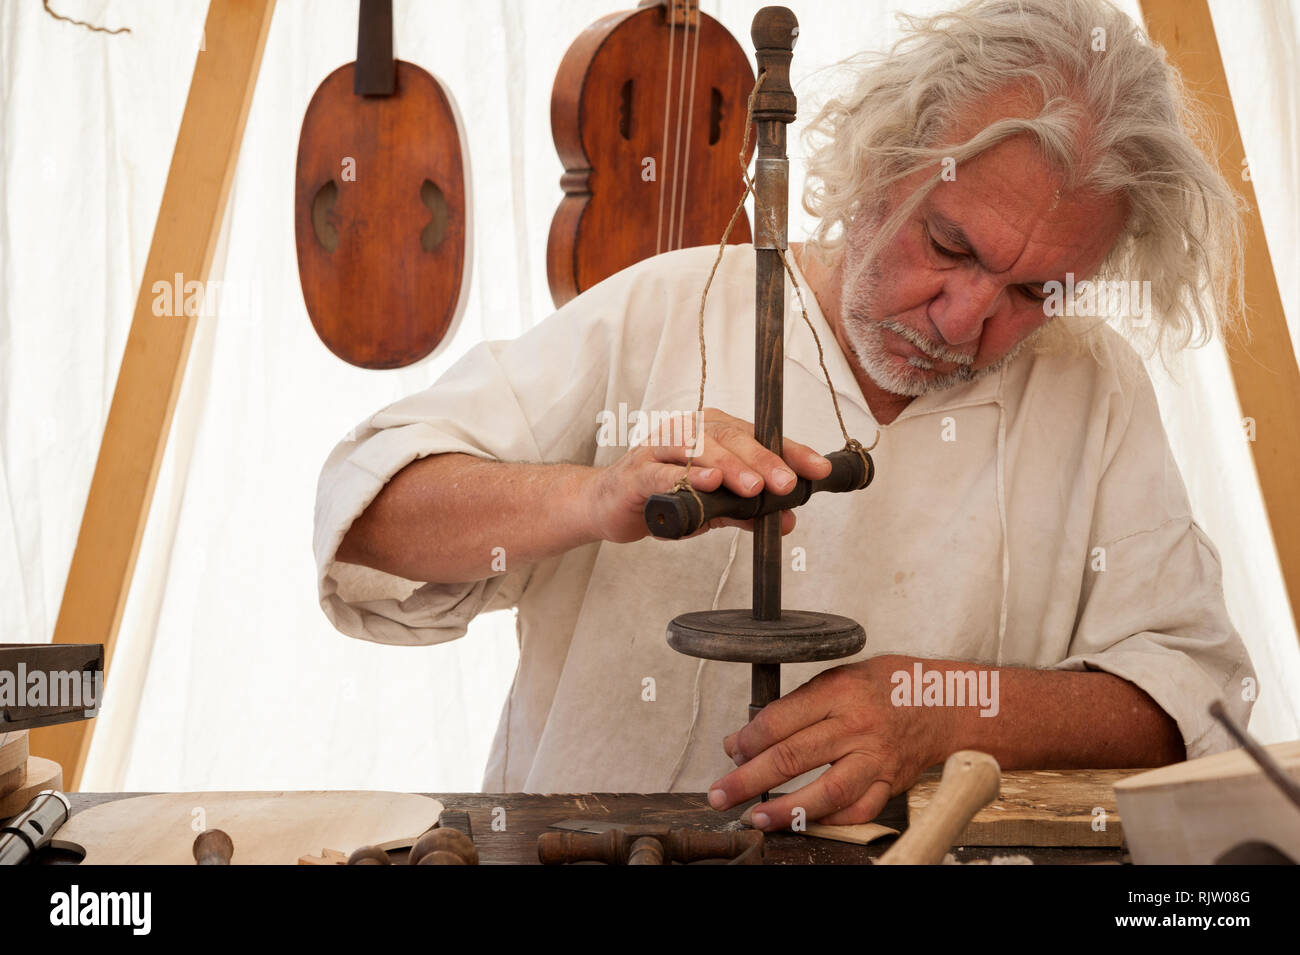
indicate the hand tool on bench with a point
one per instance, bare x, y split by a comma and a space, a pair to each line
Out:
213, 847
34, 827
765, 636
369, 855
616, 844
970, 782
444, 846
450, 843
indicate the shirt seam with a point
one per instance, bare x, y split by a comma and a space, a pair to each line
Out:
1150, 530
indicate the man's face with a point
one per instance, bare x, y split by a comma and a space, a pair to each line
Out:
959, 289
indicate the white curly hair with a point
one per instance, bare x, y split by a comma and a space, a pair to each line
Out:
1113, 117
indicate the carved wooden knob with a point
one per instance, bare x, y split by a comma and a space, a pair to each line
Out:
213, 847
369, 855
441, 841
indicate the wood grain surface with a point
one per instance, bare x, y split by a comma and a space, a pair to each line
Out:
268, 828
1041, 808
1191, 813
384, 264
609, 103
13, 750
38, 774
525, 816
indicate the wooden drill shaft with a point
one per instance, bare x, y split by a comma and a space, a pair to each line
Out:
773, 32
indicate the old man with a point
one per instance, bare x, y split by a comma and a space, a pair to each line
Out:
1028, 532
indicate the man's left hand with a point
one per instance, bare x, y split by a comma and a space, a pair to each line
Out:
844, 717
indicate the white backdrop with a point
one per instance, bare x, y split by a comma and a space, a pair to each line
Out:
227, 675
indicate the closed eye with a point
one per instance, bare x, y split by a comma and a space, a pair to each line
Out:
1034, 293
943, 250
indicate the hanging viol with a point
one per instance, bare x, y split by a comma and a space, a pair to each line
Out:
381, 214
648, 114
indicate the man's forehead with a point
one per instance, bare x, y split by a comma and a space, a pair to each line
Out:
1010, 206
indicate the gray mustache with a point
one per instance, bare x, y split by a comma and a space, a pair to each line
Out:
928, 348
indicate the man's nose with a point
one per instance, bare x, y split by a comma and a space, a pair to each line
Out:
964, 305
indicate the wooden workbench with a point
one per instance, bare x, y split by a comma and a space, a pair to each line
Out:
528, 815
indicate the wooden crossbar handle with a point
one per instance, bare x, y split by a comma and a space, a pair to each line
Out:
970, 782
677, 515
644, 846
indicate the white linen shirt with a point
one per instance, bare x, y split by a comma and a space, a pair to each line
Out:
1032, 518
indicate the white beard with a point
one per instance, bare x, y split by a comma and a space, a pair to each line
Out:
865, 335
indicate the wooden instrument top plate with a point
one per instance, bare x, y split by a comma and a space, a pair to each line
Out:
268, 828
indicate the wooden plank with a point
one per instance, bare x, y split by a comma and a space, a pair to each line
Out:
153, 365
1040, 808
1264, 369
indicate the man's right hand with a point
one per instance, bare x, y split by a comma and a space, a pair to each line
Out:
726, 454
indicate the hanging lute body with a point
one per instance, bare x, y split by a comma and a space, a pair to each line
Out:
380, 209
648, 112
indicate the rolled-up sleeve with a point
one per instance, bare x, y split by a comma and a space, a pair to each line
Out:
1152, 609
524, 400
1156, 618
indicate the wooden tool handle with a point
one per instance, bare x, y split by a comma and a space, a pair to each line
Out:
692, 845
970, 782
643, 847
444, 846
213, 847
562, 848
677, 515
369, 855
647, 850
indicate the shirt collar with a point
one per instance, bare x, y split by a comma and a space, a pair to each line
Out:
802, 349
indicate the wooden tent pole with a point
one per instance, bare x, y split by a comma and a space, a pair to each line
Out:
157, 347
1264, 370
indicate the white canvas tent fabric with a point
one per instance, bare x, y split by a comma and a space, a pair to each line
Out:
227, 674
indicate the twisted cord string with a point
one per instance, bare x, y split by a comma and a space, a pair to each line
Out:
761, 208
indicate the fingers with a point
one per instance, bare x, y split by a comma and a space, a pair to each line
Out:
779, 720
728, 443
849, 789
871, 805
759, 467
661, 478
739, 475
805, 750
806, 462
